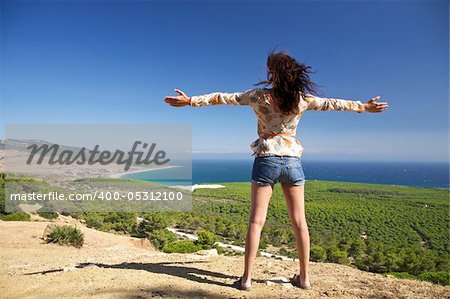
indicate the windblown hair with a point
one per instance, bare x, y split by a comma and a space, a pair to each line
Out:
289, 80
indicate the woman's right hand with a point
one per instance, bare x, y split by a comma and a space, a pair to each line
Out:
179, 101
375, 107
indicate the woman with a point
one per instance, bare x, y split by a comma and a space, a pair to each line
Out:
277, 151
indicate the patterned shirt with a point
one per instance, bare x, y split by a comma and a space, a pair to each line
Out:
276, 130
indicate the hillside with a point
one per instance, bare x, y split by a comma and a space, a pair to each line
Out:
113, 266
393, 230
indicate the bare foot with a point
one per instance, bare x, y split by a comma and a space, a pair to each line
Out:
246, 282
301, 282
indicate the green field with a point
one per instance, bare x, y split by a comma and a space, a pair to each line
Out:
377, 228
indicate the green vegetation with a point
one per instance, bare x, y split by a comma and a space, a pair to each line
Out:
48, 215
66, 235
153, 226
441, 277
16, 216
401, 231
181, 247
377, 228
206, 239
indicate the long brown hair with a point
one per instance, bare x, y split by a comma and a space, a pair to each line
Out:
289, 79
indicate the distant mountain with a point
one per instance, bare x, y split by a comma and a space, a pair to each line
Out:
22, 144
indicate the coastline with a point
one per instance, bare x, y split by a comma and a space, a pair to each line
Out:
119, 175
189, 187
198, 186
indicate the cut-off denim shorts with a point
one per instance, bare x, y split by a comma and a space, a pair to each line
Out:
268, 170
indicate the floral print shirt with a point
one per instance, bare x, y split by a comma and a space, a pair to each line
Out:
276, 130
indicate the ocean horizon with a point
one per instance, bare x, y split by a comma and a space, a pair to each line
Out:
208, 171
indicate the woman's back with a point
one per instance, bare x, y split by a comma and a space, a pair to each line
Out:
276, 129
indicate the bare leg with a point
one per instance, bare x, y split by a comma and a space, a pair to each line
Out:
260, 202
295, 200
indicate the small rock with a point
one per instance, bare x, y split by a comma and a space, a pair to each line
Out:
91, 266
70, 268
280, 279
277, 280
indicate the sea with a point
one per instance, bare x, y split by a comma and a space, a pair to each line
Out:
208, 171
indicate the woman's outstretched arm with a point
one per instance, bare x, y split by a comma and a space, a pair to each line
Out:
216, 98
329, 104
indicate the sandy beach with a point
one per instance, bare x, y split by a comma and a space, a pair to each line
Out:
189, 187
120, 174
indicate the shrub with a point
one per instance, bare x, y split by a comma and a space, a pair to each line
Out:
94, 222
219, 249
120, 222
440, 277
151, 222
262, 245
403, 275
338, 256
17, 216
66, 235
318, 253
181, 247
206, 238
48, 215
161, 237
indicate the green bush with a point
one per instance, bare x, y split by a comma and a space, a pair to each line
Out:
318, 253
338, 256
181, 247
17, 216
219, 249
94, 222
120, 222
402, 275
48, 215
262, 245
161, 237
441, 277
152, 222
206, 238
66, 235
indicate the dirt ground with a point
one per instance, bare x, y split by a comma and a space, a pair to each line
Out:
112, 266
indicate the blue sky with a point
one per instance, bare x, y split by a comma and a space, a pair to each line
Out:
114, 61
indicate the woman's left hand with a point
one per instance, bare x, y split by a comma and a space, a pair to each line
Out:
178, 101
374, 106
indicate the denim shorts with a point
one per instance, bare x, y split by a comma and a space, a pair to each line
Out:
268, 170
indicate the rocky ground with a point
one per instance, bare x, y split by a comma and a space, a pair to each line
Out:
112, 266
